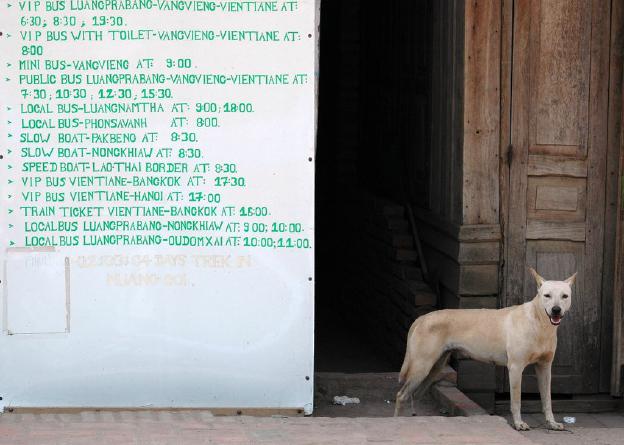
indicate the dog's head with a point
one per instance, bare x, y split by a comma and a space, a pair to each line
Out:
555, 296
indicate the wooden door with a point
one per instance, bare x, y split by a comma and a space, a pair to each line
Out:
557, 171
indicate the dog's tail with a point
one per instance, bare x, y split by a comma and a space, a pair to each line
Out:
404, 368
406, 361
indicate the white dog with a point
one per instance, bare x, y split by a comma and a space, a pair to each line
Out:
515, 337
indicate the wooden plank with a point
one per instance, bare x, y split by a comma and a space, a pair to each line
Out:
610, 291
572, 231
479, 253
392, 223
435, 201
505, 141
370, 258
422, 261
444, 270
473, 376
541, 165
475, 302
485, 399
446, 98
480, 232
414, 293
481, 111
439, 241
560, 70
458, 96
597, 154
406, 272
390, 237
447, 110
455, 401
617, 384
387, 208
556, 199
478, 279
393, 253
448, 298
431, 219
554, 150
520, 106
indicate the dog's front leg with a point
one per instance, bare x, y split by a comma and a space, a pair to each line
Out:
515, 388
543, 379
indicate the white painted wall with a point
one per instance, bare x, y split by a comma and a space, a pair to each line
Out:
172, 326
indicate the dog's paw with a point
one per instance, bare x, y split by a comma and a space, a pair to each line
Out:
521, 426
555, 426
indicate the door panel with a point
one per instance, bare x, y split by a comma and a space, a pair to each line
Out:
551, 198
559, 46
562, 259
557, 180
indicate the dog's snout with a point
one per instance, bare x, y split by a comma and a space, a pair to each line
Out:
556, 310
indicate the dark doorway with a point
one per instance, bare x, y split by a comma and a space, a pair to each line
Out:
372, 160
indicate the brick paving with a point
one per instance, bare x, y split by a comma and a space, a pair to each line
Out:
596, 429
200, 427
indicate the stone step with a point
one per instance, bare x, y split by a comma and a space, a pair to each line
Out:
378, 386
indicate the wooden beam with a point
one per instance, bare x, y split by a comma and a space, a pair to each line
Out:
618, 292
480, 233
616, 126
613, 275
481, 111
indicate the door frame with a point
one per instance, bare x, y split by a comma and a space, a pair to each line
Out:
618, 287
612, 294
611, 376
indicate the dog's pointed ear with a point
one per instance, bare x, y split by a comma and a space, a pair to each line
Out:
537, 277
572, 279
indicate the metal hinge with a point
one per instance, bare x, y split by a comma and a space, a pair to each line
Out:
509, 155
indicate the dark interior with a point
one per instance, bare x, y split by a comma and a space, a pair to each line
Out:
372, 159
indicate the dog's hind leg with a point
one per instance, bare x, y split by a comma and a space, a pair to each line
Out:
418, 378
433, 375
408, 388
421, 354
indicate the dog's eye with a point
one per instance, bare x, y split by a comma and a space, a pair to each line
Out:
565, 296
547, 295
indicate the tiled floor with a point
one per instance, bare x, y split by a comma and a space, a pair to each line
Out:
200, 427
196, 427
594, 429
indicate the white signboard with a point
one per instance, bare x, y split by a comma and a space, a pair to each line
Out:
156, 196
